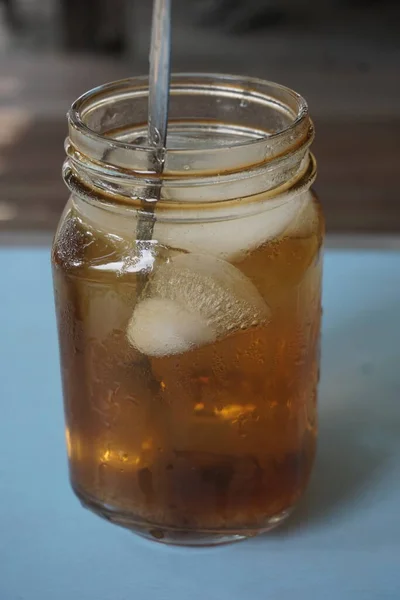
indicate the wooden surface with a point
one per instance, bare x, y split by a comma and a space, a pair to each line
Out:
358, 188
350, 81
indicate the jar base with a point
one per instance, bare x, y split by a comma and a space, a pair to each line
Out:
178, 536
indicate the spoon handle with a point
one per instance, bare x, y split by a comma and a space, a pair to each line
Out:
160, 53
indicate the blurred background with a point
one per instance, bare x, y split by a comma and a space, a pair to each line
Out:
342, 55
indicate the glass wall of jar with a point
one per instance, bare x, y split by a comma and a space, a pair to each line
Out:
189, 331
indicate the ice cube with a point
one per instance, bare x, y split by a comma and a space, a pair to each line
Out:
193, 300
306, 221
160, 327
227, 237
213, 230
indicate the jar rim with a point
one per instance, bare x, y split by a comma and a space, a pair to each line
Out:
267, 146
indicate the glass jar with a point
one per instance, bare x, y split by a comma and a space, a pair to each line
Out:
189, 307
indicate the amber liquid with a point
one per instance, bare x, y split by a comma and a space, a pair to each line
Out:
217, 439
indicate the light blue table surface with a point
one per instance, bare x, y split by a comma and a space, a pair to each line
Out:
343, 543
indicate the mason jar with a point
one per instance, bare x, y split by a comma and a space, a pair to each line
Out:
188, 297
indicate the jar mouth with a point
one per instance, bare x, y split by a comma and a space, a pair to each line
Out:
233, 123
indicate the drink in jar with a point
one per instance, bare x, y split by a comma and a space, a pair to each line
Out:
190, 399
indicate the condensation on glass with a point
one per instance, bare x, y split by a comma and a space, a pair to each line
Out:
190, 361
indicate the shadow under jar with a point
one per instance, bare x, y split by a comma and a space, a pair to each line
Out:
190, 361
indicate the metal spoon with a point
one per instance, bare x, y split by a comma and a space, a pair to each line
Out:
159, 81
160, 52
159, 77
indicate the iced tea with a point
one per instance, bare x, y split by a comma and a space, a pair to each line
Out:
191, 406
